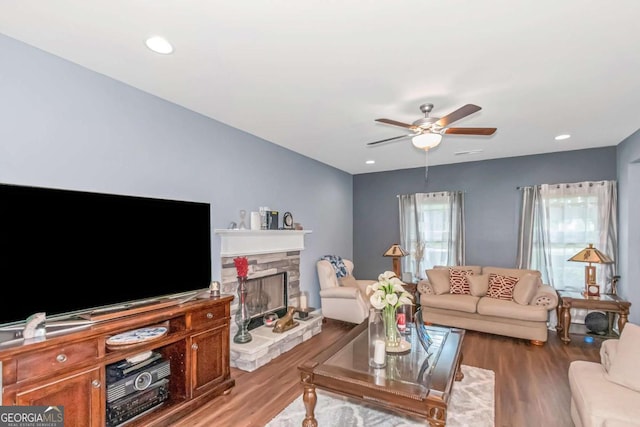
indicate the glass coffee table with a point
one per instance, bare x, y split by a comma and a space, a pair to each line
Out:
416, 383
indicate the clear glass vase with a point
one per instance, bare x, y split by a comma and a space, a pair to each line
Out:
392, 334
242, 315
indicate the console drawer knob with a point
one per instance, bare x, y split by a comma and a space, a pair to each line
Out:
96, 383
194, 346
209, 315
61, 358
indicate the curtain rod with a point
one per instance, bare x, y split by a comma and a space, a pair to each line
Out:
433, 192
579, 184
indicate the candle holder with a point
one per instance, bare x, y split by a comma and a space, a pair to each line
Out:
242, 315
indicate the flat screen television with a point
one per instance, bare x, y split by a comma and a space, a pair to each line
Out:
65, 251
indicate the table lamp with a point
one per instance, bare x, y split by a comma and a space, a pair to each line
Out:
396, 252
591, 255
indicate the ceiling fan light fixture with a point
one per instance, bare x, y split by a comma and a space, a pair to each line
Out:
426, 141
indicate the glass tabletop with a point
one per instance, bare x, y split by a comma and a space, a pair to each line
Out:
579, 295
411, 368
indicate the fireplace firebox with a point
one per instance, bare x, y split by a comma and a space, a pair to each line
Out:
266, 294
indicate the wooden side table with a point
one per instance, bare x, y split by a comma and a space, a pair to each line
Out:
567, 300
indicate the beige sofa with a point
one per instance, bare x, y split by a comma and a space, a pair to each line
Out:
608, 393
502, 301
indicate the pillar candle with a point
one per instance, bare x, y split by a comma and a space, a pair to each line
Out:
303, 301
379, 352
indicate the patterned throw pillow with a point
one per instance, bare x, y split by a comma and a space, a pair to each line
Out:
458, 283
501, 287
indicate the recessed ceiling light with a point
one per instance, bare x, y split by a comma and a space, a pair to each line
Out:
159, 45
370, 162
563, 136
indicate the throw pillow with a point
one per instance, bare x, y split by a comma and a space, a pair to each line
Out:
478, 284
624, 366
348, 281
439, 279
501, 287
458, 283
526, 288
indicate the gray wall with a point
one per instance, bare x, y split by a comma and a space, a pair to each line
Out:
64, 126
492, 201
629, 213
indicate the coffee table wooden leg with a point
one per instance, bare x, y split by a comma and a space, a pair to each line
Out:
459, 374
437, 417
309, 398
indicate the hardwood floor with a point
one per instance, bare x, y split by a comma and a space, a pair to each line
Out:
532, 388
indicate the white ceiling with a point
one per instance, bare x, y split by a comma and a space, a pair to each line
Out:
312, 75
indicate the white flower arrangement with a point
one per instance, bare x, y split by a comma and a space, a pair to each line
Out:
388, 293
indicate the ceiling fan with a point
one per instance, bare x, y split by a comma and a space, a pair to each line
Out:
428, 131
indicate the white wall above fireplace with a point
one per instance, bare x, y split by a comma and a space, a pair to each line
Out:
255, 242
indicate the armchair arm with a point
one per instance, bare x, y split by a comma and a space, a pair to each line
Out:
425, 288
362, 284
608, 350
545, 296
344, 292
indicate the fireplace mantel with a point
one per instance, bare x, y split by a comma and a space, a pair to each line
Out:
255, 242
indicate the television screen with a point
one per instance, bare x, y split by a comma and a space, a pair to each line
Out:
63, 251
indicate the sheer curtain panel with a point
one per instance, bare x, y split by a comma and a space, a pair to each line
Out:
432, 230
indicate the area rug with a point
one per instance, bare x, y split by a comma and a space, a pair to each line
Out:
471, 404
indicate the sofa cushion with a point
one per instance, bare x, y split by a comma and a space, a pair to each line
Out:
623, 368
348, 281
465, 303
458, 283
439, 279
501, 287
526, 288
511, 310
478, 284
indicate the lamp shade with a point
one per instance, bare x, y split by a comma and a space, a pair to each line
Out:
426, 141
591, 255
395, 251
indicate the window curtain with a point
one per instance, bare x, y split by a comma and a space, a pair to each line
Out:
431, 230
559, 220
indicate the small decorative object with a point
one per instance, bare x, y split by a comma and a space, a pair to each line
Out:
297, 226
136, 336
401, 320
242, 315
214, 289
263, 217
387, 294
287, 221
272, 220
286, 322
232, 226
270, 319
377, 341
243, 225
597, 322
593, 290
421, 331
255, 220
614, 285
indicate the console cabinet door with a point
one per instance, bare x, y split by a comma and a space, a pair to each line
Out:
80, 394
210, 359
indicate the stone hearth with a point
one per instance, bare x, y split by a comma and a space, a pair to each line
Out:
268, 252
267, 345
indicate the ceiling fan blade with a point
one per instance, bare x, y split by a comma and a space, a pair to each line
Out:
470, 131
460, 113
391, 139
396, 123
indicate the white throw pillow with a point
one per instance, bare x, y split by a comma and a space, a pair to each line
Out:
526, 288
624, 366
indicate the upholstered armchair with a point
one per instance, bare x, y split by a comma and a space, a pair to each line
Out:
342, 299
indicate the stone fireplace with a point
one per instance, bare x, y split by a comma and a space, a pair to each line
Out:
273, 285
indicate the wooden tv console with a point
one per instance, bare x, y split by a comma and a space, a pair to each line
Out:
69, 370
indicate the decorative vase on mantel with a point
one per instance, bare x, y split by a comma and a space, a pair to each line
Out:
242, 315
392, 334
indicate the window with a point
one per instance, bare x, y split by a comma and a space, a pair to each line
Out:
431, 230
